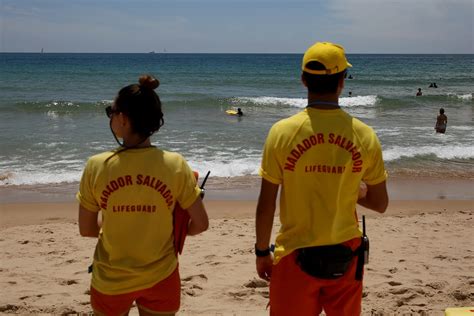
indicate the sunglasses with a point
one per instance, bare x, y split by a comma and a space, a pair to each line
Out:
109, 111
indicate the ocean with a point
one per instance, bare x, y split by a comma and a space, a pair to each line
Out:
52, 109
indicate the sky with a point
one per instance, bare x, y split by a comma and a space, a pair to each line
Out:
236, 26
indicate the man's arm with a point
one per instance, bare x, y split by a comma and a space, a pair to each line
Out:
376, 197
88, 224
264, 223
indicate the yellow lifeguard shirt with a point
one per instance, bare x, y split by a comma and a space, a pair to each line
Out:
320, 157
136, 190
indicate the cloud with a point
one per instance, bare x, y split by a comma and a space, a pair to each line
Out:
434, 26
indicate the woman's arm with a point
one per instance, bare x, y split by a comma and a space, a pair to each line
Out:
88, 223
199, 221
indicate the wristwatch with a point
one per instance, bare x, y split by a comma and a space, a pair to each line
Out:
262, 253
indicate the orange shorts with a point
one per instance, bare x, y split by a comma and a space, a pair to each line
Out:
163, 297
294, 292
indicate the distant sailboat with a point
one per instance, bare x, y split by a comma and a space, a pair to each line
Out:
152, 52
41, 51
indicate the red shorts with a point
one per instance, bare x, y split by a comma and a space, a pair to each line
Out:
163, 297
293, 292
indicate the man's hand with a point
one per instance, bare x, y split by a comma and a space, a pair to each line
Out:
264, 267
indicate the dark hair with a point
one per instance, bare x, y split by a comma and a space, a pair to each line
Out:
141, 105
441, 111
321, 83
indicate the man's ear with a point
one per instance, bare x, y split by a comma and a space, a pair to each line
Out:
303, 80
341, 84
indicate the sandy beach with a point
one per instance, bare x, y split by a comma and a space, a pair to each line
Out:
421, 260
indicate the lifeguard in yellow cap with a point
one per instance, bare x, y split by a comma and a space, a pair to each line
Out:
325, 161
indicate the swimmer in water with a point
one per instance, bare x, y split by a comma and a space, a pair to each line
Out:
441, 122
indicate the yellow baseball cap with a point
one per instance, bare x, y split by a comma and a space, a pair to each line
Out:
330, 55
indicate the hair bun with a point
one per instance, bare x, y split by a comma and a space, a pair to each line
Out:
148, 81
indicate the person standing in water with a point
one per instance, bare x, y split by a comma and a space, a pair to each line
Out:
136, 188
441, 122
419, 93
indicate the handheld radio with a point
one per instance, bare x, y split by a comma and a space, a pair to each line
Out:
203, 183
365, 242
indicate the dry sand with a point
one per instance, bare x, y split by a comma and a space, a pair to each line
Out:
421, 260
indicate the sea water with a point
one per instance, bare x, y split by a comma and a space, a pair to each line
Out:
52, 109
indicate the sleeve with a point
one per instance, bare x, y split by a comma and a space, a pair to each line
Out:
188, 189
85, 196
376, 172
271, 168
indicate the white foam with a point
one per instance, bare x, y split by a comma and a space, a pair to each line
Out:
441, 152
293, 102
52, 114
222, 164
233, 168
50, 145
462, 128
61, 104
463, 97
422, 128
363, 100
29, 177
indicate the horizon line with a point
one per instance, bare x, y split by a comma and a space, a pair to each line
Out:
230, 53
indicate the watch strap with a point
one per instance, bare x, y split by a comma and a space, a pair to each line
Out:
262, 253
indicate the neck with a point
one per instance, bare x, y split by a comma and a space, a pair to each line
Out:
326, 101
136, 141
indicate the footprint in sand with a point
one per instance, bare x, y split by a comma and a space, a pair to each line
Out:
398, 291
415, 299
394, 283
259, 287
9, 308
68, 282
208, 257
437, 285
192, 285
252, 287
242, 251
443, 257
239, 295
461, 296
44, 231
256, 283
